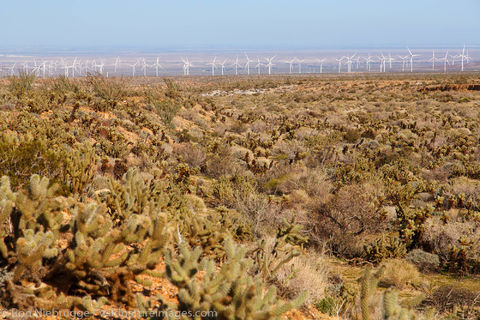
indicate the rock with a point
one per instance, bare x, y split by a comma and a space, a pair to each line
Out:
425, 261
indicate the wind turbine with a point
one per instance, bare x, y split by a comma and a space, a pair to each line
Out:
222, 64
247, 65
340, 64
291, 63
321, 61
404, 60
368, 60
44, 69
300, 65
157, 65
349, 62
186, 67
432, 60
390, 60
133, 66
270, 64
445, 62
68, 67
100, 67
357, 62
464, 57
144, 66
36, 69
383, 60
12, 71
411, 58
213, 65
236, 65
73, 67
258, 65
116, 64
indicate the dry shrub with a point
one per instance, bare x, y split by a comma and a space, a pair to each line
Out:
469, 187
258, 126
221, 163
312, 274
240, 192
288, 149
297, 198
313, 181
192, 154
262, 213
400, 273
441, 237
350, 214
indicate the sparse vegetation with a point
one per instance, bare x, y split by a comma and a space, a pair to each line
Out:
242, 203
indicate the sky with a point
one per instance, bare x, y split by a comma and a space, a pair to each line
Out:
256, 24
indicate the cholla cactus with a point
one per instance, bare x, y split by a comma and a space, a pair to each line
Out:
229, 292
288, 245
368, 283
95, 257
79, 167
391, 309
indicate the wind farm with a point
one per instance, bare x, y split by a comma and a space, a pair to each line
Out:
239, 63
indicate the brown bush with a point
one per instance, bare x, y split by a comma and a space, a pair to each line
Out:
193, 155
353, 212
221, 162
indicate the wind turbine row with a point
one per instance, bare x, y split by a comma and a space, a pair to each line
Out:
349, 63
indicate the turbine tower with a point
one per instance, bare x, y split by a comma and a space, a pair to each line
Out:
404, 61
432, 60
222, 64
411, 58
116, 65
321, 61
133, 66
213, 64
300, 65
270, 64
368, 60
464, 57
340, 64
258, 65
350, 62
445, 62
247, 65
186, 66
291, 63
157, 65
236, 65
390, 60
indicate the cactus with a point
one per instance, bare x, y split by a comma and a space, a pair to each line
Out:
288, 245
229, 292
79, 167
94, 258
368, 283
384, 248
391, 309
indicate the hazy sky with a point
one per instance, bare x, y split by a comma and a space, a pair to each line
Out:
240, 24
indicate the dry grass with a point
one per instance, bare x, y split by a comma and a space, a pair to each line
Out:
400, 274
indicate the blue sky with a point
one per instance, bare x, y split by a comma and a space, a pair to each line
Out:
240, 24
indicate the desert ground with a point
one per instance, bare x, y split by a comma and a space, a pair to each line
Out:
263, 197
